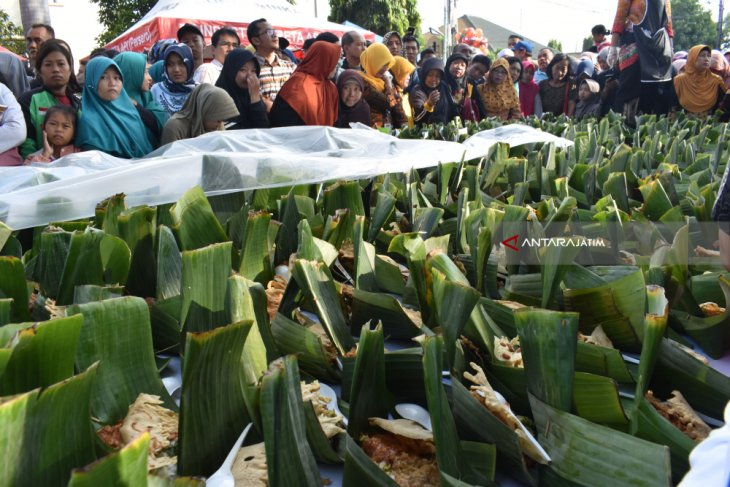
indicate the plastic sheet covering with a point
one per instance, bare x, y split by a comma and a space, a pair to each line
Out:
223, 162
514, 135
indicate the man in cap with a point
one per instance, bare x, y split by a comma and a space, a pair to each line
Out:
191, 35
523, 51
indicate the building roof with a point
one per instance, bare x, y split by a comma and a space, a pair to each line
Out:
496, 34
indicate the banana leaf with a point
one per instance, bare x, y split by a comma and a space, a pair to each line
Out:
369, 396
476, 422
93, 258
212, 406
33, 424
360, 470
165, 322
596, 399
248, 303
255, 251
323, 449
294, 208
706, 389
317, 284
364, 258
289, 459
388, 275
599, 360
137, 227
618, 306
42, 355
169, 264
124, 468
292, 338
205, 273
53, 247
398, 322
339, 196
384, 210
195, 224
548, 342
584, 453
711, 333
470, 462
13, 286
87, 293
413, 248
117, 334
5, 234
313, 248
554, 264
454, 303
6, 305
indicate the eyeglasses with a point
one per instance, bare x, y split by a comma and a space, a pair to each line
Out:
268, 32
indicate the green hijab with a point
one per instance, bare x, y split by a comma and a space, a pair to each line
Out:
133, 66
114, 127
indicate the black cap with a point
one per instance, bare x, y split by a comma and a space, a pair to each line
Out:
283, 42
188, 28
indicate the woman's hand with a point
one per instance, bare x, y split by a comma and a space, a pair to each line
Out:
254, 87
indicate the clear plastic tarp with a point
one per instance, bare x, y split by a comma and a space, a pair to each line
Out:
226, 162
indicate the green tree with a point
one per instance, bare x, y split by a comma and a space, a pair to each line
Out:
379, 16
11, 35
692, 25
118, 15
555, 45
587, 43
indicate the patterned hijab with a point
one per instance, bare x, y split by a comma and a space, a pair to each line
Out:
499, 97
169, 94
113, 126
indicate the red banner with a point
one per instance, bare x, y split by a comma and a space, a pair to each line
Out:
144, 36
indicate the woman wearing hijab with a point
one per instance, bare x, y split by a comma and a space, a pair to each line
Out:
558, 94
463, 94
720, 66
529, 90
353, 107
402, 71
698, 89
309, 97
137, 84
54, 65
380, 93
12, 74
177, 79
498, 93
240, 79
430, 97
205, 110
109, 120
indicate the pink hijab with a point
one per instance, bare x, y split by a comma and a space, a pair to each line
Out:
528, 91
719, 66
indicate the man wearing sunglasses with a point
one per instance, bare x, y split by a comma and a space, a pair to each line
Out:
275, 70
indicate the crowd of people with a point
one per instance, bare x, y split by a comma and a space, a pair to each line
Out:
128, 104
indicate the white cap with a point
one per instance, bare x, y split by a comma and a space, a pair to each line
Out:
505, 53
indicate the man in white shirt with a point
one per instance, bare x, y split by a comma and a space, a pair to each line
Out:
224, 40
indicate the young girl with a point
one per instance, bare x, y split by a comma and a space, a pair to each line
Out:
59, 131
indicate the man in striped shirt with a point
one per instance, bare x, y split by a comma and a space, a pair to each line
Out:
275, 70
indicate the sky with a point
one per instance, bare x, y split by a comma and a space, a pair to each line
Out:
568, 21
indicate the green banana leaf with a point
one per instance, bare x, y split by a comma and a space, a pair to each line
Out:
116, 333
399, 323
323, 449
316, 282
125, 468
584, 453
292, 338
195, 224
13, 286
47, 433
53, 249
212, 406
256, 251
5, 308
289, 459
169, 264
205, 273
364, 258
369, 396
42, 355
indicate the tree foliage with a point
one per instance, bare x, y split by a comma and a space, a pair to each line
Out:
11, 35
379, 16
587, 43
118, 15
692, 25
555, 45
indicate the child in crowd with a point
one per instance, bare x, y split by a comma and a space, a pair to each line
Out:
589, 100
59, 131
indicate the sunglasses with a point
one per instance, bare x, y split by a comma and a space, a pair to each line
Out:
268, 32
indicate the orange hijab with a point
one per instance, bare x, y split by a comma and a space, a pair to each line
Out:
309, 91
401, 70
697, 91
